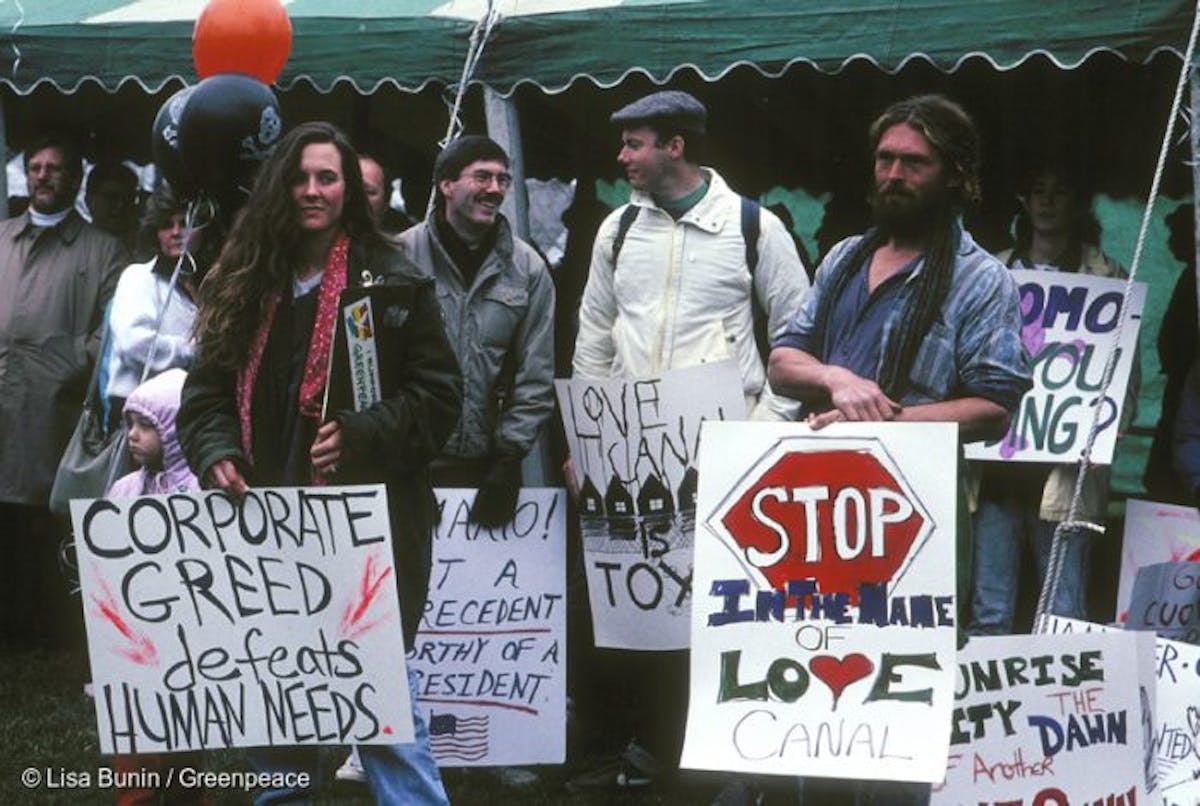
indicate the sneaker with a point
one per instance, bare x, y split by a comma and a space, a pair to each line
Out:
351, 769
635, 768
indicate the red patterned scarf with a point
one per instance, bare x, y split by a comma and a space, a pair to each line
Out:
316, 364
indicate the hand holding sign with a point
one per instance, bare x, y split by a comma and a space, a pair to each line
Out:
326, 449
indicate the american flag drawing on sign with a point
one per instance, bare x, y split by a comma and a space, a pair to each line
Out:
457, 737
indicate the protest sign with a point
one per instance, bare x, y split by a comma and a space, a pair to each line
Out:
1147, 685
634, 444
1166, 599
1155, 533
275, 622
823, 631
1068, 325
1048, 719
1173, 734
491, 650
1177, 726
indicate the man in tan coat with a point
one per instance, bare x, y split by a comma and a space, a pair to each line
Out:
56, 274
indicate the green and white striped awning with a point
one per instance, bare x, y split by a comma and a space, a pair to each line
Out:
552, 43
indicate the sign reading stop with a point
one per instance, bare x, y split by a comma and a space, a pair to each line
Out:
842, 516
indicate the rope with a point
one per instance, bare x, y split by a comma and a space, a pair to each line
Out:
480, 34
1058, 547
16, 27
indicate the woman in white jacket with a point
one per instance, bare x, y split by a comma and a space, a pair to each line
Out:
142, 296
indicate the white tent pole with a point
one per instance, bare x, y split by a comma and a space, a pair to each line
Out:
3, 173
505, 128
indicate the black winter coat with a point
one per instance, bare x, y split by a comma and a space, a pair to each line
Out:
392, 442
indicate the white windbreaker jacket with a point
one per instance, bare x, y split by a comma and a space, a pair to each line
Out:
680, 294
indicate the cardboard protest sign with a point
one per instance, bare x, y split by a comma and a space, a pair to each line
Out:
1047, 719
1176, 739
491, 651
1173, 734
1069, 324
1147, 686
1155, 533
276, 622
823, 630
1166, 599
634, 445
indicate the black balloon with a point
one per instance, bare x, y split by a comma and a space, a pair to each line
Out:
164, 143
227, 128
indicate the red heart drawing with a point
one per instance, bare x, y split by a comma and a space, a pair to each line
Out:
837, 674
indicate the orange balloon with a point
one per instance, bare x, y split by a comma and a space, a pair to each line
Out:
252, 37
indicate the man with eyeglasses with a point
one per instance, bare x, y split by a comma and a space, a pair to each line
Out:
497, 301
58, 273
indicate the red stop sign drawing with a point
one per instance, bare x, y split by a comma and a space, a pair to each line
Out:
841, 514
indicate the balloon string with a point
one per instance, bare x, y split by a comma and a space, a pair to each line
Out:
16, 48
481, 32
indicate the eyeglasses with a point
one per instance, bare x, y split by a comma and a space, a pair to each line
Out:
484, 179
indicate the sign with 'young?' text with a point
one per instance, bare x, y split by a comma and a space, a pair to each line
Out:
491, 652
276, 622
823, 628
1069, 326
634, 446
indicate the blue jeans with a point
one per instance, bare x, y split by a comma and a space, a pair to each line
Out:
1003, 526
396, 773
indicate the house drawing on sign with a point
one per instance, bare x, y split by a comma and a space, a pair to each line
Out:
687, 490
655, 500
618, 503
591, 503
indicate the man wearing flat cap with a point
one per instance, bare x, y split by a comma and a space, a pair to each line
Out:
687, 257
497, 301
678, 278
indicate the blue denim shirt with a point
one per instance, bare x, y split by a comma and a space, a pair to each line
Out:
974, 347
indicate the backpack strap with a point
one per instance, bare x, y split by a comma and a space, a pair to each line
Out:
751, 226
627, 218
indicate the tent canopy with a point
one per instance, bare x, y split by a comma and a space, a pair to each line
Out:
551, 43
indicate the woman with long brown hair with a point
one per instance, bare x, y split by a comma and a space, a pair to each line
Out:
253, 406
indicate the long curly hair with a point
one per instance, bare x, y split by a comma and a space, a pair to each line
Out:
263, 247
951, 131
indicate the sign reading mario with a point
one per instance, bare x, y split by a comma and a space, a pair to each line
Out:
841, 517
823, 627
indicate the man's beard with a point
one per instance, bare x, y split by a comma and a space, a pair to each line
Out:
908, 215
57, 202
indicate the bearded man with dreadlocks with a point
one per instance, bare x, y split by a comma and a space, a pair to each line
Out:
912, 321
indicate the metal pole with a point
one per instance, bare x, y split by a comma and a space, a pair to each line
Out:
504, 127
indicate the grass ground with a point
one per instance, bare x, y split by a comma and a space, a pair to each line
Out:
46, 722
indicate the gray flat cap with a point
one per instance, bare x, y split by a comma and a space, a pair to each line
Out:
680, 107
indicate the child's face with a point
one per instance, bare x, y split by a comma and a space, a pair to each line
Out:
145, 445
